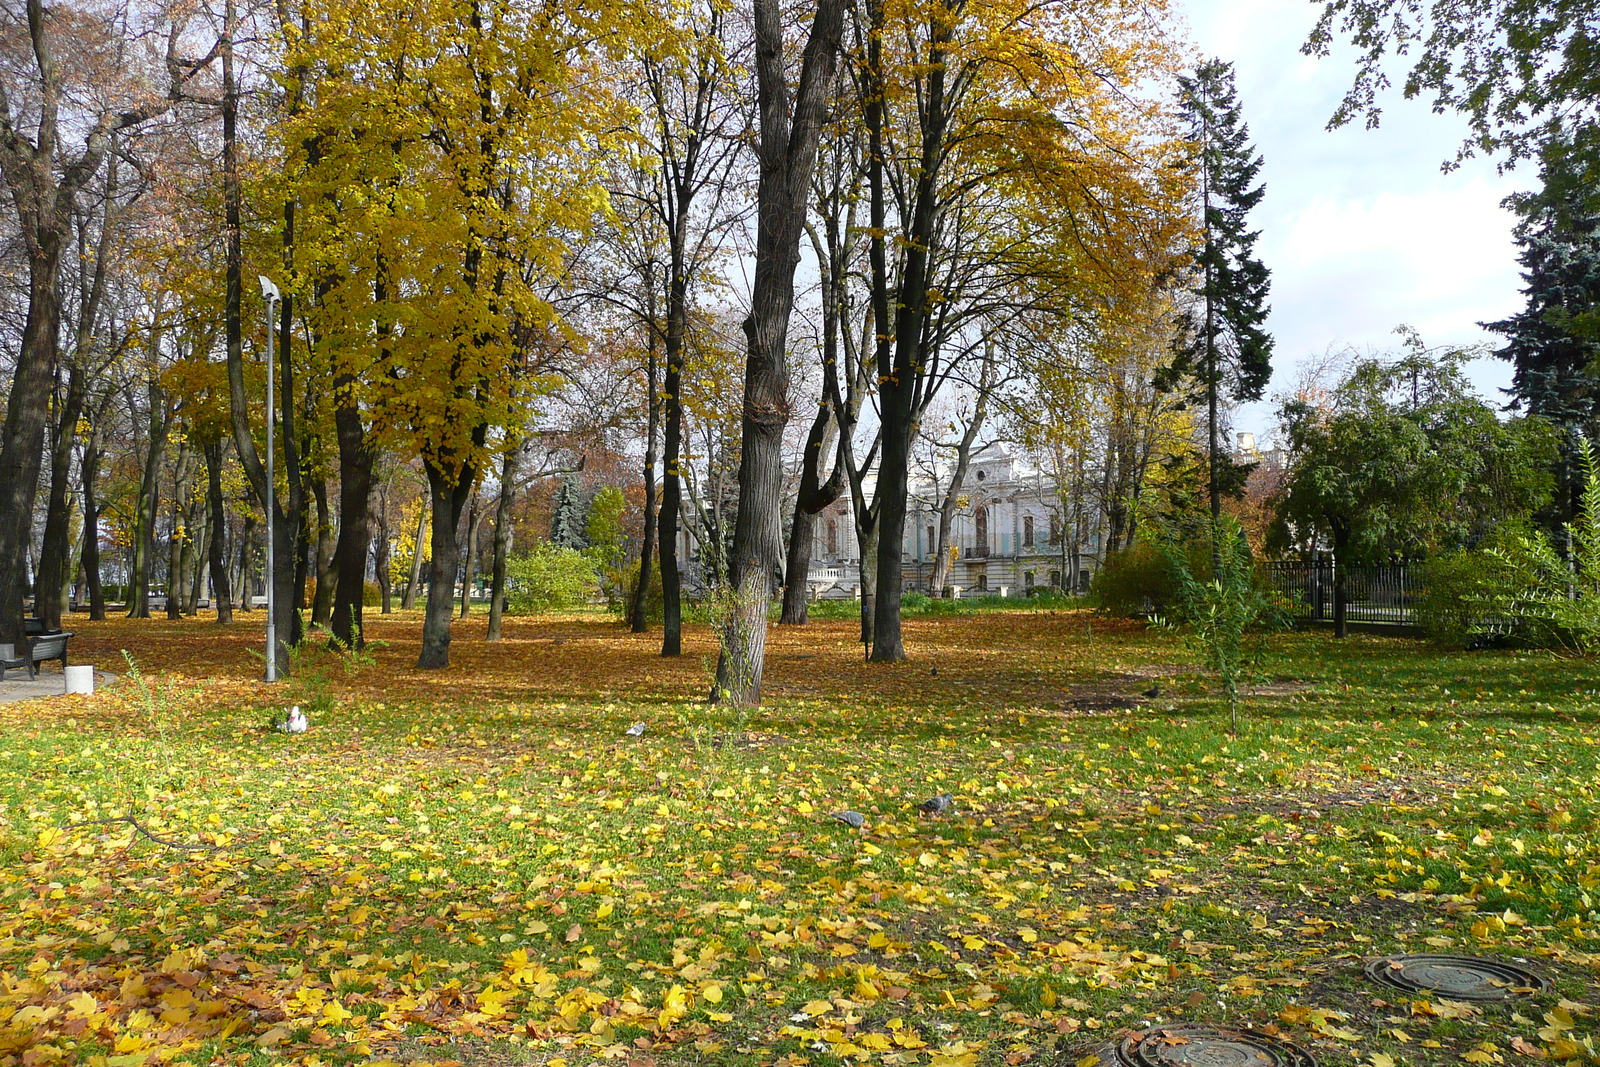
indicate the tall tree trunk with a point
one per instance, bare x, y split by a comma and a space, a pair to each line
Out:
787, 152
671, 511
900, 371
326, 557
177, 535
149, 499
409, 599
380, 548
448, 492
27, 410
797, 568
247, 539
194, 557
88, 476
56, 550
510, 464
217, 543
958, 476
468, 574
867, 568
355, 492
638, 613
814, 495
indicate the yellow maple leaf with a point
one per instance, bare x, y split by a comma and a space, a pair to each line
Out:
956, 1054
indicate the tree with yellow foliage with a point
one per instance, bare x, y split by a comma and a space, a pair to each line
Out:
1012, 164
443, 163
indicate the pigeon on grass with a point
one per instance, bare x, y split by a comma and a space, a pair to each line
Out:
636, 730
295, 723
936, 805
853, 819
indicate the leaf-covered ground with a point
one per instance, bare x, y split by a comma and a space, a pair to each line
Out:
477, 865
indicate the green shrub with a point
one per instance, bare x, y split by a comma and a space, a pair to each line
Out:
1458, 588
1134, 581
1547, 601
550, 578
1224, 610
624, 580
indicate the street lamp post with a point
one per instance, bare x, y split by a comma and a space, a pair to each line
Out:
272, 296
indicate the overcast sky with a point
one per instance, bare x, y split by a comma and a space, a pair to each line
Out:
1360, 228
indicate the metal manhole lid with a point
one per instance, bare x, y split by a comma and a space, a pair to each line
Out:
1209, 1046
1457, 977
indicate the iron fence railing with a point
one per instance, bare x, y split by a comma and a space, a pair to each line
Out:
1383, 593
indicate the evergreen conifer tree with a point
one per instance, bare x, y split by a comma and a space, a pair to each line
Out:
1223, 348
1553, 343
569, 523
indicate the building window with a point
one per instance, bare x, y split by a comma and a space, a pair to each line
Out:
1027, 579
833, 537
1055, 529
933, 542
1027, 530
1055, 578
980, 537
981, 475
983, 583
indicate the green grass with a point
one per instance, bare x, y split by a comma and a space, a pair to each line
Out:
485, 858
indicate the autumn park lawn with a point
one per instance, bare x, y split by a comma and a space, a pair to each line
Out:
476, 865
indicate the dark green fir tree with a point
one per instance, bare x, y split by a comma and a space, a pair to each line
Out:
570, 521
1553, 343
1223, 348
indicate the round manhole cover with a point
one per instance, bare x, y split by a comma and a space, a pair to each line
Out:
1209, 1046
1456, 977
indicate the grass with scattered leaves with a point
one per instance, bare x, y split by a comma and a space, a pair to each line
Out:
477, 865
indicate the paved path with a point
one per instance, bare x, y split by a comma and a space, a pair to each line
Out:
18, 686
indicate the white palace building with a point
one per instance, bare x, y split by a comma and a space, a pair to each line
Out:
1005, 536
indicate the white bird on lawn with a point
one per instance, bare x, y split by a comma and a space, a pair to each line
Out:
296, 722
636, 730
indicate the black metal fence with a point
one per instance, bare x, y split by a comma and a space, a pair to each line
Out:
1373, 594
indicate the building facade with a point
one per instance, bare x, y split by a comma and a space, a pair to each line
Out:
1009, 536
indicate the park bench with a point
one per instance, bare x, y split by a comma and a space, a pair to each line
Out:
40, 650
33, 626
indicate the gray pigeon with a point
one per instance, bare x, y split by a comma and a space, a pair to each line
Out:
935, 805
636, 730
853, 819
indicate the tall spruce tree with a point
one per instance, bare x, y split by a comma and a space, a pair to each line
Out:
1223, 348
1553, 343
570, 520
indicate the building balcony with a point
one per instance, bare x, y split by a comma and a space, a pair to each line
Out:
976, 552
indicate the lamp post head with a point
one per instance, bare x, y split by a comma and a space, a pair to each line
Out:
269, 290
